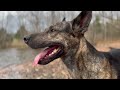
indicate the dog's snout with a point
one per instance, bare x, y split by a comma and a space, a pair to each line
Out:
26, 38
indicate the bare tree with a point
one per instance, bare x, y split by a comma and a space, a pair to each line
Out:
21, 17
53, 17
104, 26
5, 38
34, 18
2, 20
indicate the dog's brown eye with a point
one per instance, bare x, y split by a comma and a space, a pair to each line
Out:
52, 30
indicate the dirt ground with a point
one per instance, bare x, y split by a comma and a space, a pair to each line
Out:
55, 70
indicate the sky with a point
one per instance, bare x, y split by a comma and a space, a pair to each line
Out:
13, 27
6, 12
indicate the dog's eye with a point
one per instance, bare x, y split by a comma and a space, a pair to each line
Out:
52, 30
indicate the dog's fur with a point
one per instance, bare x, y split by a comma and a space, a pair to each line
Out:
81, 58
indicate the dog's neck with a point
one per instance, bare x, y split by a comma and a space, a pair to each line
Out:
86, 62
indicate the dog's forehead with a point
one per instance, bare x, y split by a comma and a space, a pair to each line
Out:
62, 25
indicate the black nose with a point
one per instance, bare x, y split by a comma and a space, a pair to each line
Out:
26, 39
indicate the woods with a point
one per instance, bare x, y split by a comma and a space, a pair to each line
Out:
105, 25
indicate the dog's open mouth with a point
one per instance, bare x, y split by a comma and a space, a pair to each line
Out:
49, 54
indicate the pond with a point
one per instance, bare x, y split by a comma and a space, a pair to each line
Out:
15, 56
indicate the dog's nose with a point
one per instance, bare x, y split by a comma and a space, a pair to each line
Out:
26, 39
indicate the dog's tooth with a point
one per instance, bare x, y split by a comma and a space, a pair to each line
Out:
55, 50
52, 53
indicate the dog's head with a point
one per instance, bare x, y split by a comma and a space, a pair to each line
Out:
59, 38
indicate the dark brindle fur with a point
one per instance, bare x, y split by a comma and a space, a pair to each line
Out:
81, 58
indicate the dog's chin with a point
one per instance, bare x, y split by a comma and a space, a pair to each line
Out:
49, 54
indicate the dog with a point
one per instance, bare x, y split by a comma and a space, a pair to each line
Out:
66, 40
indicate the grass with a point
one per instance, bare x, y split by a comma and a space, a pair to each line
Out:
104, 45
18, 43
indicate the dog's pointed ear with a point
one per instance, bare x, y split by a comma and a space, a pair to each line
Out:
82, 21
64, 19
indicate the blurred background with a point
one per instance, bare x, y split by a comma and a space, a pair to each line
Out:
16, 57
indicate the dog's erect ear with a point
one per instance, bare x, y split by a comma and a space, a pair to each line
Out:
64, 19
82, 21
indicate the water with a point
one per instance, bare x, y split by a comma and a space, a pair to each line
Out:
15, 56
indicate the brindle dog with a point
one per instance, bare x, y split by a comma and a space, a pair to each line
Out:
66, 40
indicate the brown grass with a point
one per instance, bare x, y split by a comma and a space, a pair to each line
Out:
104, 46
18, 44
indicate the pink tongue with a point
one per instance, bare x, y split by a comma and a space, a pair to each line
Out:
42, 55
39, 57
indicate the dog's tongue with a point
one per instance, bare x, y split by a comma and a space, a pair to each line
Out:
39, 57
42, 54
